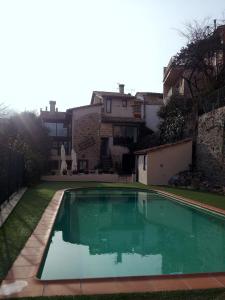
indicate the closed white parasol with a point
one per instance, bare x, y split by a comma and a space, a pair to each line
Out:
74, 160
63, 160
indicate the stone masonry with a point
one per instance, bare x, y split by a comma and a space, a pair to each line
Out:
210, 146
86, 140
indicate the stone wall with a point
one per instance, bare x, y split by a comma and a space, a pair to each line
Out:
210, 152
106, 130
86, 139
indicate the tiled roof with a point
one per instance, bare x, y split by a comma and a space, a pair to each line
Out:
84, 106
151, 98
152, 149
111, 94
150, 94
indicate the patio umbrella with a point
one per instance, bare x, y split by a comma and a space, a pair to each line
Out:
63, 160
74, 160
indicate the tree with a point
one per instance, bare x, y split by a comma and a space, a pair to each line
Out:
174, 125
26, 134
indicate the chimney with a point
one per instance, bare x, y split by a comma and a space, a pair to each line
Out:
52, 106
121, 88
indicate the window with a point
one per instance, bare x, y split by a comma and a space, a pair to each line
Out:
144, 162
61, 130
82, 165
108, 105
56, 129
124, 135
51, 128
124, 103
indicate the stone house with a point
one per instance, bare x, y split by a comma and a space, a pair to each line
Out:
103, 131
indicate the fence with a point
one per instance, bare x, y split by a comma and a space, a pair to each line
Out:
212, 101
11, 172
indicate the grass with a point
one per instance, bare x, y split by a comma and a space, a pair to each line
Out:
211, 294
21, 223
203, 197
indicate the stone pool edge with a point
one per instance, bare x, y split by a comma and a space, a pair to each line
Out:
21, 280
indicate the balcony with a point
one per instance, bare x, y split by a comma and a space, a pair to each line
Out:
173, 91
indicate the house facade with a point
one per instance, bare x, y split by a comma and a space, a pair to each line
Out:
104, 131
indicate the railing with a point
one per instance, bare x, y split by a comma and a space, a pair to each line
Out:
11, 172
212, 101
122, 141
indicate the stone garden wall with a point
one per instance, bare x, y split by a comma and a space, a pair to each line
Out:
210, 146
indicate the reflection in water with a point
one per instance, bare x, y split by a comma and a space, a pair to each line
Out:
108, 233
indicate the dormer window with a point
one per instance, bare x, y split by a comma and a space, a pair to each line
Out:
108, 105
124, 102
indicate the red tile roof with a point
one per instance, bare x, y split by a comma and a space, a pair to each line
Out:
152, 149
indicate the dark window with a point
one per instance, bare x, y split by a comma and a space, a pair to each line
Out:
124, 135
144, 162
61, 129
51, 128
56, 129
82, 165
56, 145
108, 105
124, 103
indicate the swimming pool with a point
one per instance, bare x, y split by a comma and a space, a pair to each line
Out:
106, 232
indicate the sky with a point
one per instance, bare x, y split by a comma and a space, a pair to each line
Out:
63, 50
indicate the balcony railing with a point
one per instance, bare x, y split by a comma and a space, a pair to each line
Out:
214, 100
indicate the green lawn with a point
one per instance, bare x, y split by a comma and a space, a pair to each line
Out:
203, 197
19, 226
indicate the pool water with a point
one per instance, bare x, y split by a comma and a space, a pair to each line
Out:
106, 232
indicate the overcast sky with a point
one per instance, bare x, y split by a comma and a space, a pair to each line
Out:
64, 49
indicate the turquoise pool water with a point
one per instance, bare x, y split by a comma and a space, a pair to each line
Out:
106, 232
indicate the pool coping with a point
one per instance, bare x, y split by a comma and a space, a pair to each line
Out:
22, 279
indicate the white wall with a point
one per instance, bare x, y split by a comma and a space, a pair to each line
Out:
167, 162
142, 174
151, 118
